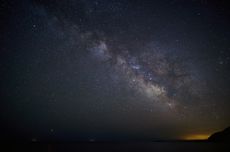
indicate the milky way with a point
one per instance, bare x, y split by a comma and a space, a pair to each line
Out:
157, 74
114, 69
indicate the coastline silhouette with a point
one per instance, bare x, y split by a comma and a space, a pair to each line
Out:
221, 136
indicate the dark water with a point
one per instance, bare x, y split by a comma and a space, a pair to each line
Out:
115, 147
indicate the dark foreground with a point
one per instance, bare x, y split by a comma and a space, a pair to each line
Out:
115, 147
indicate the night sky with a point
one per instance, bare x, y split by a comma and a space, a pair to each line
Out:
114, 69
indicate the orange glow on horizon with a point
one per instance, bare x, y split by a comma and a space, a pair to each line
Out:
196, 137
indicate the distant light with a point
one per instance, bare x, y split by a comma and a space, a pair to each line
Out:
196, 137
92, 140
34, 140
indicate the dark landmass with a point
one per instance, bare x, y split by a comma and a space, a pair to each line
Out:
222, 136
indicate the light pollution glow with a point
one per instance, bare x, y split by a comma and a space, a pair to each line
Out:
196, 137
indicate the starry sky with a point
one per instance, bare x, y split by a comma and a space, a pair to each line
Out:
114, 70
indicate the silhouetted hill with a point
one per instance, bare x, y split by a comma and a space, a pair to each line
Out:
221, 136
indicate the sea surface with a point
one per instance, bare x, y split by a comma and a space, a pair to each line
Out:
120, 146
